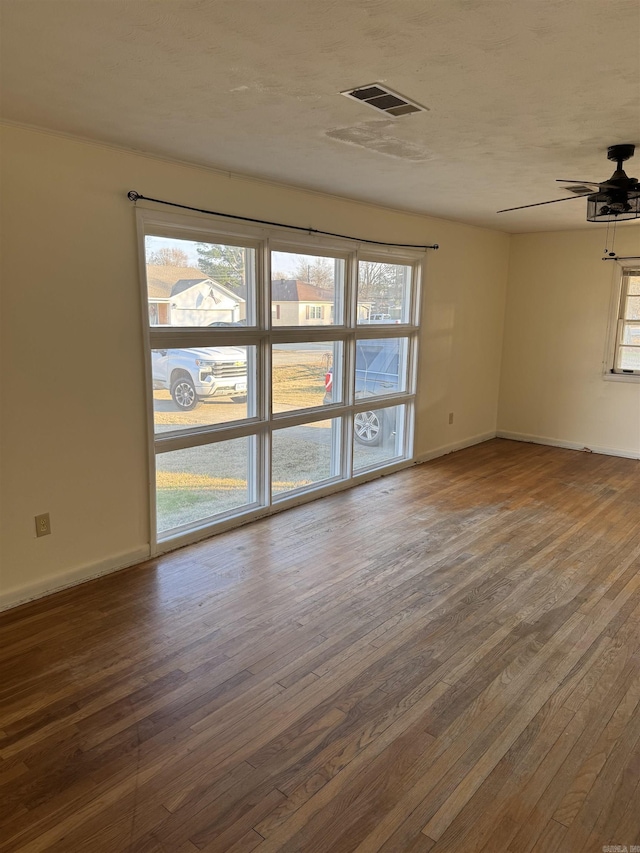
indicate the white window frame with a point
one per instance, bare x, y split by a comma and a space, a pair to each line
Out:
264, 240
617, 323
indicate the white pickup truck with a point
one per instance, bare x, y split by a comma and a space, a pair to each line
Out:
191, 375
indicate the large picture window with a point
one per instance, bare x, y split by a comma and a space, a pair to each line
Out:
276, 371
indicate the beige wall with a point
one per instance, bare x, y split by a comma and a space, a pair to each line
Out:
552, 385
73, 399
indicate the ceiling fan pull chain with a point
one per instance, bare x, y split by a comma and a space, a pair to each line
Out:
606, 239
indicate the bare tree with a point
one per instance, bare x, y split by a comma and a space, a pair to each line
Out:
381, 283
316, 271
169, 257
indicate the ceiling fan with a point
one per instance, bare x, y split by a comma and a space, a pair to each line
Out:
616, 199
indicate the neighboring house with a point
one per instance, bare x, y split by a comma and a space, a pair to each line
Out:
203, 301
298, 303
365, 310
185, 296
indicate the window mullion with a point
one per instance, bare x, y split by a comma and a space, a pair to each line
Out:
349, 362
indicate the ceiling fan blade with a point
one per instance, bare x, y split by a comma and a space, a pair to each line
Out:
604, 185
581, 190
571, 181
539, 203
631, 187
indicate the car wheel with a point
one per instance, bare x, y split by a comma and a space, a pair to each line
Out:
183, 393
368, 428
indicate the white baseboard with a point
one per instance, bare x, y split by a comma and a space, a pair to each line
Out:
568, 445
444, 449
46, 586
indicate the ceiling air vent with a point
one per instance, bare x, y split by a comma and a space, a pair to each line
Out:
384, 100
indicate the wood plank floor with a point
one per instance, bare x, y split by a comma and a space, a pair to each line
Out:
446, 659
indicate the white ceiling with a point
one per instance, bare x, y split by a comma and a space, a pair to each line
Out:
519, 92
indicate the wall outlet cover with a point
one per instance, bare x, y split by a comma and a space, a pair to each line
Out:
43, 524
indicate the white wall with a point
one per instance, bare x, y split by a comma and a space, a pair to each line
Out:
552, 385
73, 406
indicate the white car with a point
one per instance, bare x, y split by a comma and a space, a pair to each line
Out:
191, 375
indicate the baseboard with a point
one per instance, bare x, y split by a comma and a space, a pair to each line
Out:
568, 445
49, 585
444, 449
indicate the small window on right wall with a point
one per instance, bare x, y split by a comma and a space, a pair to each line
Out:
626, 355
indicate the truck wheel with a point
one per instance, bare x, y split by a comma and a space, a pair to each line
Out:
368, 428
183, 393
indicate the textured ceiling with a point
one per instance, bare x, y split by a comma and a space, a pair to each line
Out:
519, 92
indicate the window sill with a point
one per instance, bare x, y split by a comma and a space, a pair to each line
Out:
621, 377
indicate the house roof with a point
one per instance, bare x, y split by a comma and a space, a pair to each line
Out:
291, 290
186, 283
161, 278
164, 281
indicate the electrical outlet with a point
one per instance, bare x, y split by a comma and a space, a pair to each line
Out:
43, 524
450, 417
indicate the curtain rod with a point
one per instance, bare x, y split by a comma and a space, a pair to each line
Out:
613, 257
134, 196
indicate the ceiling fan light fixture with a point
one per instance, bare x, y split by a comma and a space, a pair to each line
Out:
601, 207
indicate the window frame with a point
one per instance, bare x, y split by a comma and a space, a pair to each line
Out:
377, 257
617, 323
263, 335
321, 247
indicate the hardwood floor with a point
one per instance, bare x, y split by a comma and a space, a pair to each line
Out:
447, 659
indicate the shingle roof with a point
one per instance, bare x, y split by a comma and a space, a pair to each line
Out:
291, 290
186, 283
162, 277
164, 281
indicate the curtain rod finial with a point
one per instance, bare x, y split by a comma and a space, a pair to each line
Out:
132, 195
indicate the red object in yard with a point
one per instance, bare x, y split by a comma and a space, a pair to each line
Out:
328, 381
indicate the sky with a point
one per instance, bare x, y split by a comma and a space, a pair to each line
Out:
284, 262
